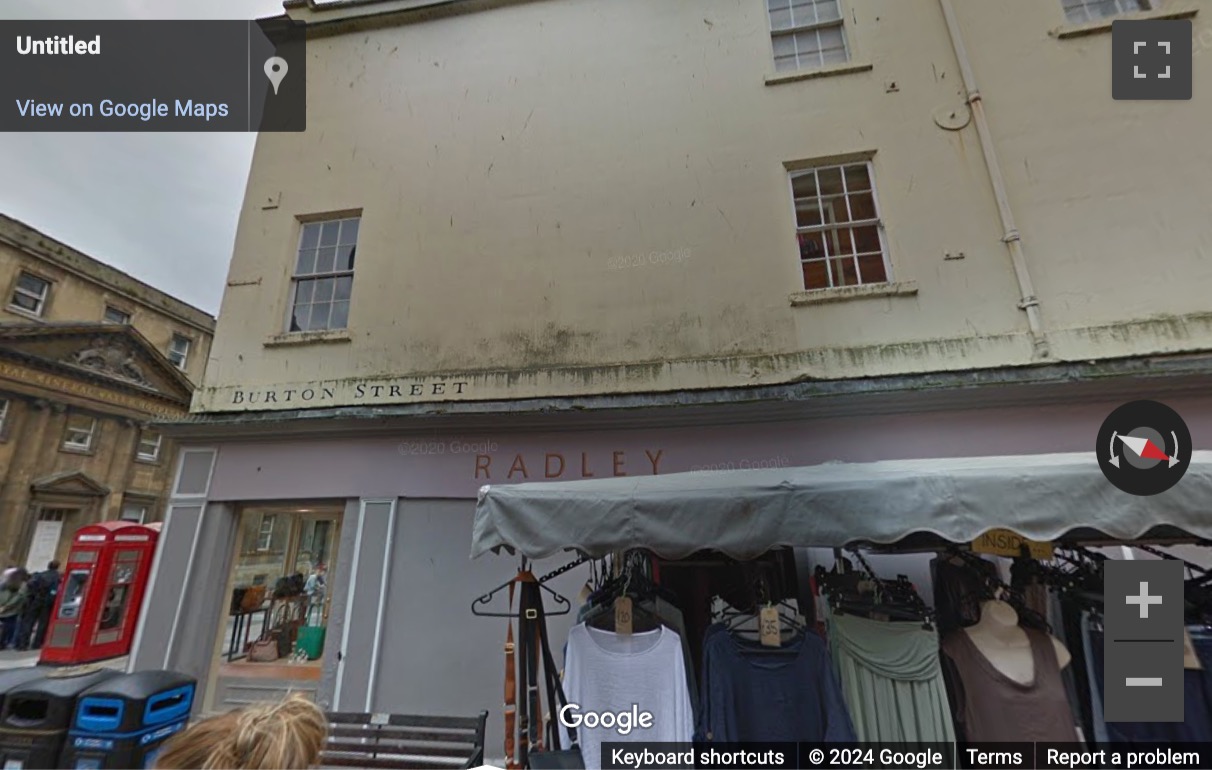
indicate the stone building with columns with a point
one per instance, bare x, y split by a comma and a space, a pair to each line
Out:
90, 358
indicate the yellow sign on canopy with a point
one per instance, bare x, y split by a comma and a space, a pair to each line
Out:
1003, 542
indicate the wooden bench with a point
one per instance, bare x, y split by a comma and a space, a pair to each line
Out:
403, 741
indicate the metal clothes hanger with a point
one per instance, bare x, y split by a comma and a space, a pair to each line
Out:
481, 602
790, 629
602, 615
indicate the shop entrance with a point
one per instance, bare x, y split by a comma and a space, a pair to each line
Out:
280, 589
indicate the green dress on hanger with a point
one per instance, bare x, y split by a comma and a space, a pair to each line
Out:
892, 679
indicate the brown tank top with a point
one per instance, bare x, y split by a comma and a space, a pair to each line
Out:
992, 707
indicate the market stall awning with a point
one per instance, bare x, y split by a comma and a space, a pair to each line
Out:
746, 513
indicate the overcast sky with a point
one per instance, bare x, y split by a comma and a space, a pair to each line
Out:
161, 207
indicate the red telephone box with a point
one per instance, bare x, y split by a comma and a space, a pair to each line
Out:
99, 599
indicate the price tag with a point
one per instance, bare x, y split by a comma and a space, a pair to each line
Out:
622, 615
770, 628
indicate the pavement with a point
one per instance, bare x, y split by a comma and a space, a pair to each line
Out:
15, 659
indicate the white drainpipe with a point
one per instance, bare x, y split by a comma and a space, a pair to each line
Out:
1028, 301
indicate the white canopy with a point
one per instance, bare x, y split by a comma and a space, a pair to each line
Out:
746, 513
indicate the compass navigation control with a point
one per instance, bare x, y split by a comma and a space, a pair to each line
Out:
1144, 448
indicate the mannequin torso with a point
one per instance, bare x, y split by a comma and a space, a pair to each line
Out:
1005, 644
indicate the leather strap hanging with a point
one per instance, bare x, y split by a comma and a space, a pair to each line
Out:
530, 712
552, 756
530, 665
524, 715
511, 691
551, 674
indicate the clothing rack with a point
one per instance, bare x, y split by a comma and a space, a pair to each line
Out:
566, 568
993, 588
719, 611
861, 592
1195, 568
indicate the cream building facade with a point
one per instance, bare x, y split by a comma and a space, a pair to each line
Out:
566, 239
612, 212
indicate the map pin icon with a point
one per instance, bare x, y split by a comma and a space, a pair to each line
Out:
275, 70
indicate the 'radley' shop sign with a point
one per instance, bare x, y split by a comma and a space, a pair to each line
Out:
523, 466
491, 461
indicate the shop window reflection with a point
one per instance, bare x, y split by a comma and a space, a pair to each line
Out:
280, 588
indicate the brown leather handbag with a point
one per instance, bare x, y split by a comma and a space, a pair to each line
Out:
288, 616
254, 597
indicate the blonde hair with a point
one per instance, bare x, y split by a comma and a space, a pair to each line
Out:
288, 735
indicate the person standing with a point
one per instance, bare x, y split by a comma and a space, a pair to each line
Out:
314, 588
41, 591
12, 599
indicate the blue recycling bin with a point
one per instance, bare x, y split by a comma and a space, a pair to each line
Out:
124, 722
38, 713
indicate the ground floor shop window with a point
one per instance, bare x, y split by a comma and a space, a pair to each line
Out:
280, 591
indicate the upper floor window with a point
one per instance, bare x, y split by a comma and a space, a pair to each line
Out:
80, 432
807, 34
1085, 11
149, 446
178, 351
30, 293
3, 415
323, 277
115, 316
838, 223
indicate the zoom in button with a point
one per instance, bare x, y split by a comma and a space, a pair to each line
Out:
1143, 622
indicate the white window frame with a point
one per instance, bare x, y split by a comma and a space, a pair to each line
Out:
265, 539
807, 26
143, 507
297, 278
90, 435
173, 350
1078, 11
143, 439
118, 311
39, 299
829, 224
